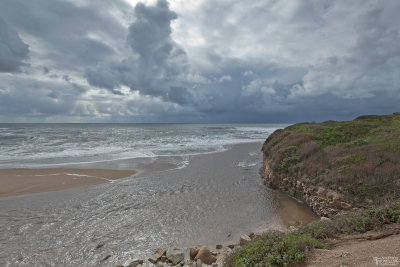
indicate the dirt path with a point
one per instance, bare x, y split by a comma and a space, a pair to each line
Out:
374, 248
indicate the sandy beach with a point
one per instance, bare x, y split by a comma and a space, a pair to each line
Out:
26, 181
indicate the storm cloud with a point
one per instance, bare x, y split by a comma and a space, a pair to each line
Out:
198, 61
155, 63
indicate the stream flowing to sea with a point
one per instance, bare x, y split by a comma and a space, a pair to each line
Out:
196, 184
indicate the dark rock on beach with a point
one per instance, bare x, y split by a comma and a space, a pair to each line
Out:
205, 256
135, 263
157, 255
176, 258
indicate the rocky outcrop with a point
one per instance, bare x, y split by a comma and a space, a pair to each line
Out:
324, 202
157, 255
205, 256
244, 240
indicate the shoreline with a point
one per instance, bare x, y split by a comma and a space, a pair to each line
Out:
21, 181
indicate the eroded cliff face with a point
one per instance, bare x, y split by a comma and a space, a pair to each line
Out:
324, 202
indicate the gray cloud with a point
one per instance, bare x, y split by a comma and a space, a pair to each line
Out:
12, 49
216, 61
65, 35
156, 62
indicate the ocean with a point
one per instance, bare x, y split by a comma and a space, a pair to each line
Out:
50, 145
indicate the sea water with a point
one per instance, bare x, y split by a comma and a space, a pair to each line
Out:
50, 145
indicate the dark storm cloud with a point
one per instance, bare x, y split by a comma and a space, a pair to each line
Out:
156, 61
12, 49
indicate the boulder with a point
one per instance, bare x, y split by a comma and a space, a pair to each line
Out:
325, 219
100, 245
193, 252
244, 240
106, 258
345, 206
321, 191
176, 258
252, 235
218, 246
157, 255
205, 256
135, 263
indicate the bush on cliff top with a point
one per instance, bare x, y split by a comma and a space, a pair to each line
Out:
359, 158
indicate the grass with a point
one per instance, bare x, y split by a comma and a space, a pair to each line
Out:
275, 249
354, 223
359, 158
278, 249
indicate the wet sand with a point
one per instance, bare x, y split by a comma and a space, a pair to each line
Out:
26, 181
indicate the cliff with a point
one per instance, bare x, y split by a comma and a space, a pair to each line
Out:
336, 167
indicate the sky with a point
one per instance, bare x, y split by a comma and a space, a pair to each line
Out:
200, 61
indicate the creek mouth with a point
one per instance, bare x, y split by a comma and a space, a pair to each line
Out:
212, 199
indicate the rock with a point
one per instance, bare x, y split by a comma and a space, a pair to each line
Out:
193, 252
369, 201
345, 206
205, 256
321, 192
163, 258
100, 245
157, 255
218, 246
176, 258
292, 228
135, 263
106, 258
252, 235
244, 240
231, 246
221, 258
325, 219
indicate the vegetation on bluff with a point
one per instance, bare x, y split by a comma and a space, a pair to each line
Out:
359, 158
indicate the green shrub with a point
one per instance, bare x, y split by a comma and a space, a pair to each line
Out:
355, 223
275, 249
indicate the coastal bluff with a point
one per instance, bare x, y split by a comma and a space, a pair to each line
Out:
336, 167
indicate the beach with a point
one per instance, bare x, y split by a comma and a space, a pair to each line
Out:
19, 181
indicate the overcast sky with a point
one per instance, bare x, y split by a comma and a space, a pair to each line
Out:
198, 60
